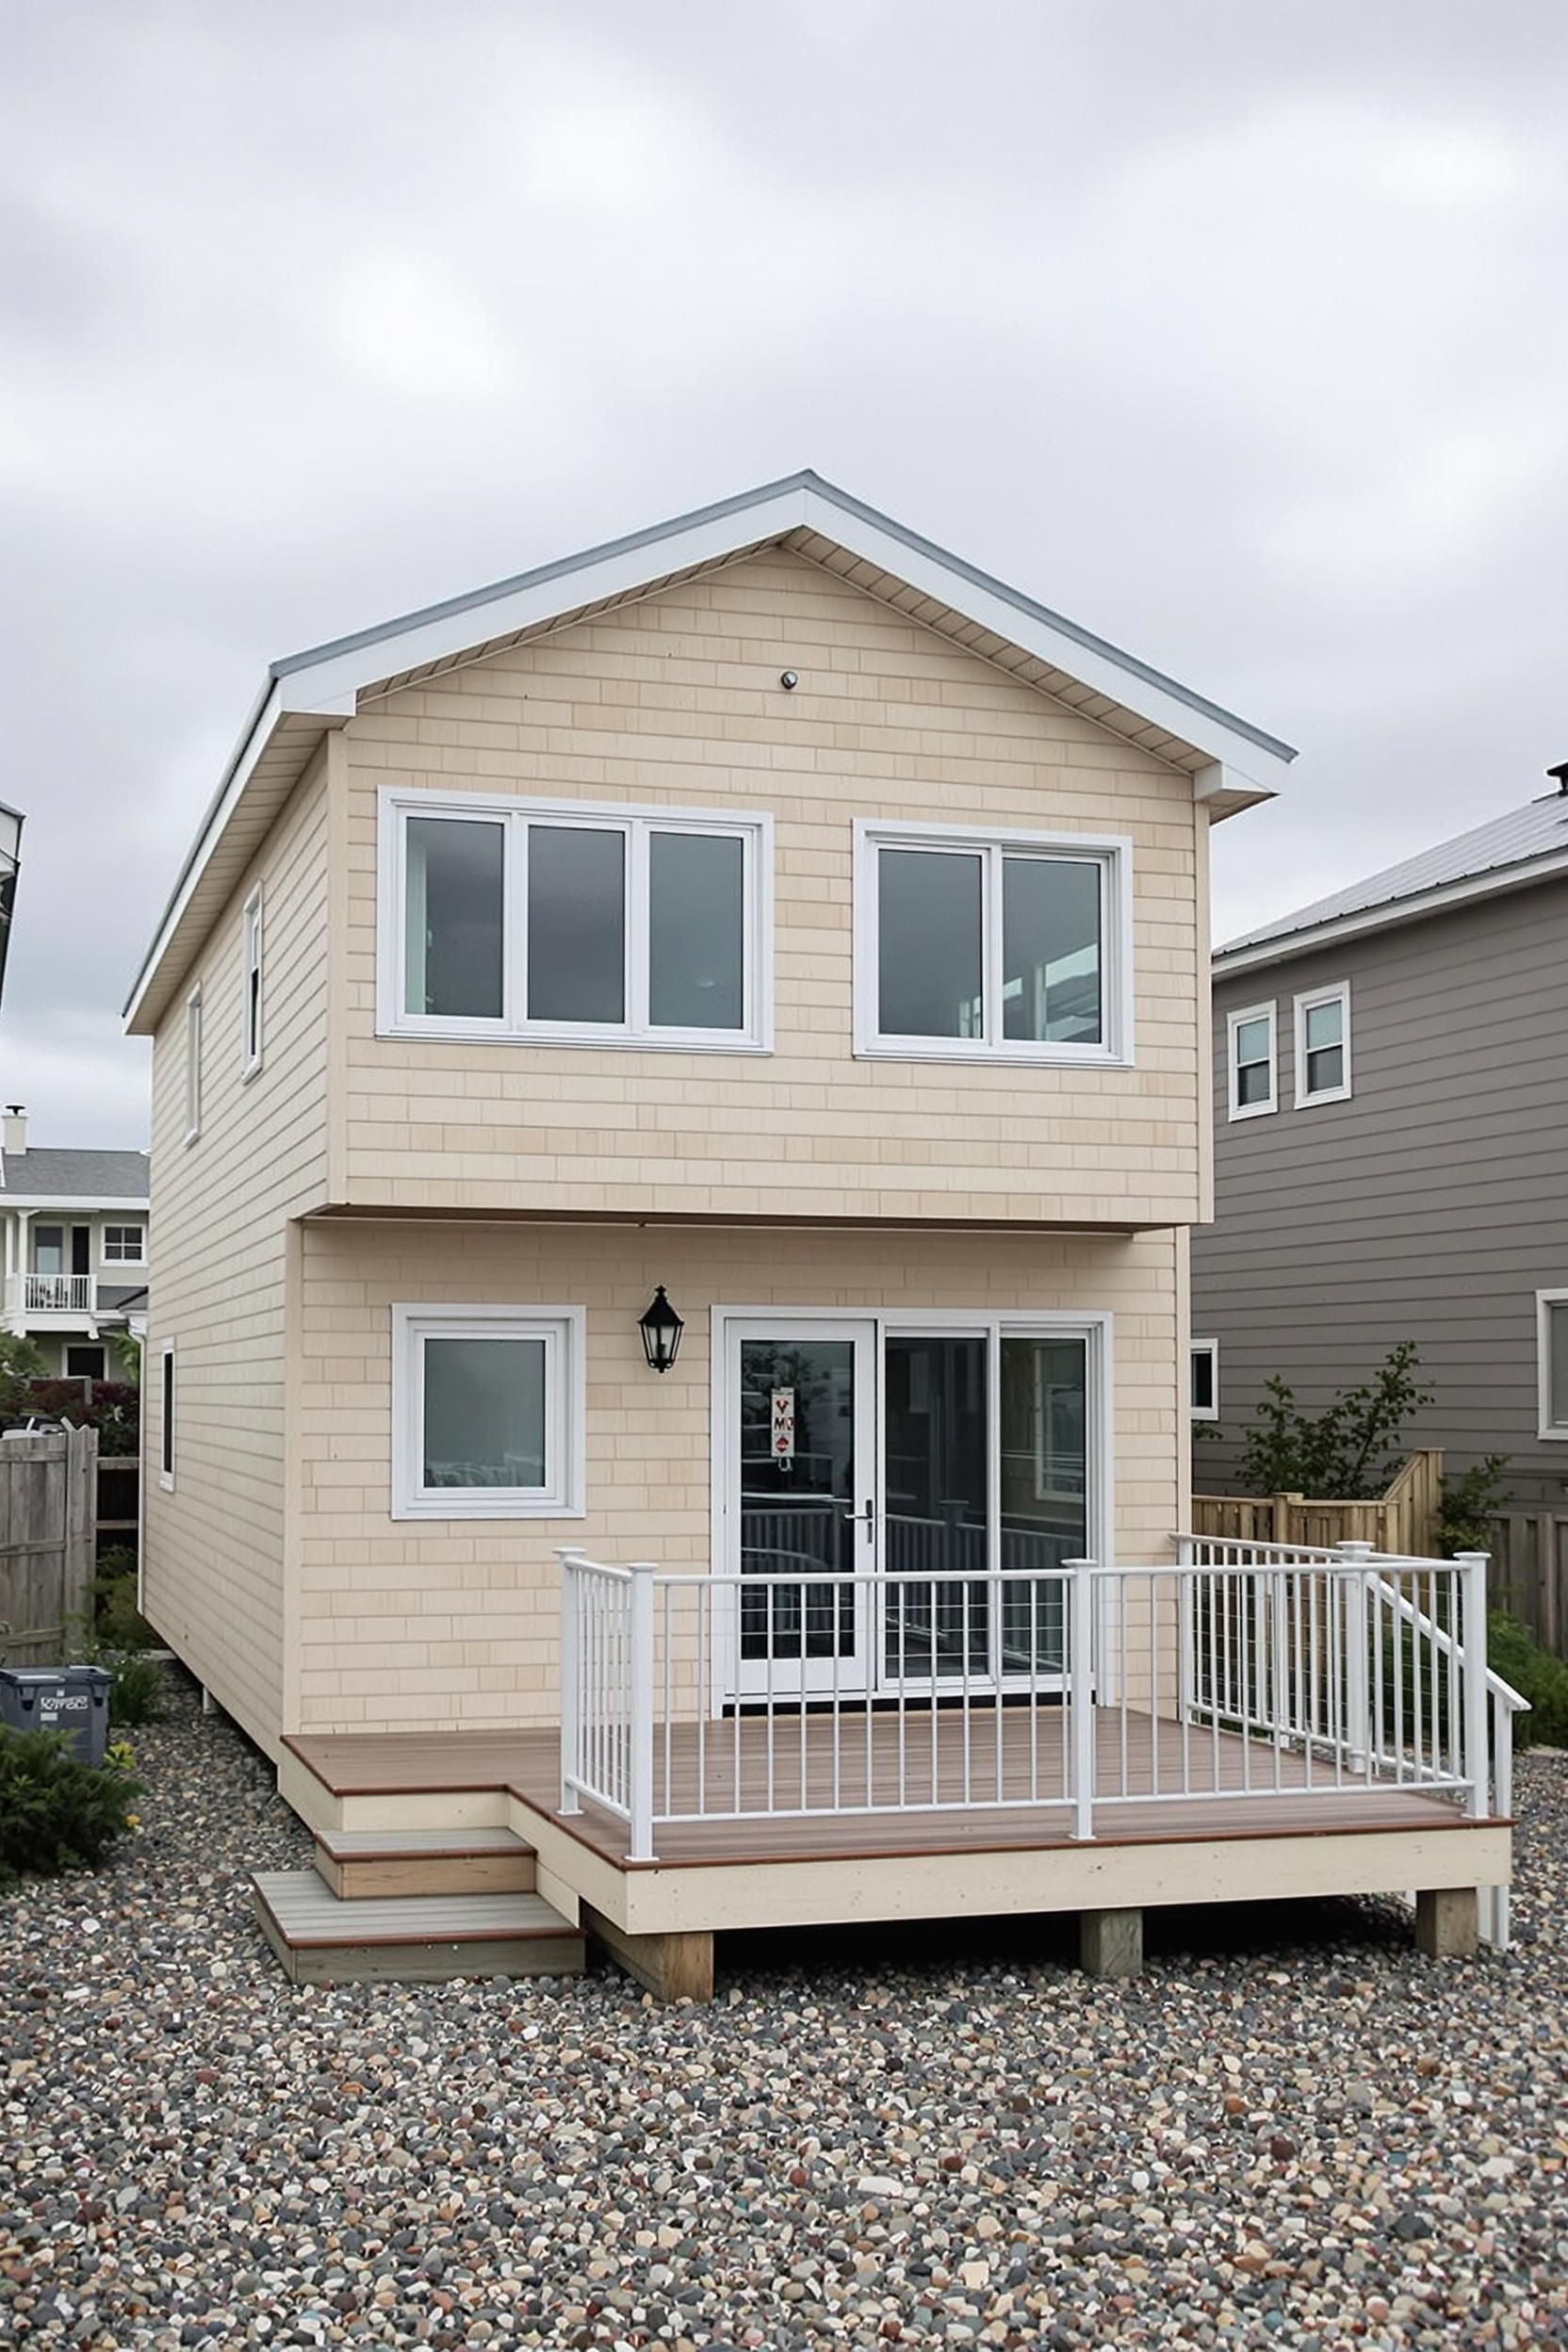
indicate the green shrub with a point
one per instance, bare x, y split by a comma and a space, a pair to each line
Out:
1537, 1676
1471, 1500
118, 1623
1349, 1450
55, 1812
136, 1695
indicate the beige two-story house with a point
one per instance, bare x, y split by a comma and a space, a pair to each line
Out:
680, 1093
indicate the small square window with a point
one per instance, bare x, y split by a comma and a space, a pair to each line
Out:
1252, 1061
1323, 1045
125, 1245
1204, 1379
487, 1406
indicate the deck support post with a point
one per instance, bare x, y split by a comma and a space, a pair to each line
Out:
1110, 1943
674, 1966
1448, 1922
1080, 1587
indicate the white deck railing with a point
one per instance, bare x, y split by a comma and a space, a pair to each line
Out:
51, 1294
1236, 1674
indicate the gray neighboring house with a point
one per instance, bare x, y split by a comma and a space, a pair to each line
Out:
1391, 1120
74, 1247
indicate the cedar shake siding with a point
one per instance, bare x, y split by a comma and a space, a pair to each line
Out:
1431, 1206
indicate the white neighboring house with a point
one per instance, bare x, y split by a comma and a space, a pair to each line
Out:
74, 1230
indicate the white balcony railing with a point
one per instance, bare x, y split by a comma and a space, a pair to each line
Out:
51, 1294
1273, 1677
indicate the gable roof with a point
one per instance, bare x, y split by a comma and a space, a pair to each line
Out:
43, 1174
1233, 762
1512, 852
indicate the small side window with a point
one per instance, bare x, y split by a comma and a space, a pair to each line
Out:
1551, 1308
193, 1065
1253, 1062
251, 985
166, 1416
1204, 1376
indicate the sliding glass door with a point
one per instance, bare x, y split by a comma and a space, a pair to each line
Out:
921, 1460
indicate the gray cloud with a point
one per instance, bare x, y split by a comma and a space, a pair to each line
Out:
1236, 332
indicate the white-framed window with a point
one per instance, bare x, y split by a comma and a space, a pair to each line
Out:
1252, 1059
1551, 1313
249, 932
193, 1065
1203, 1379
574, 922
1323, 1045
125, 1245
1000, 946
165, 1413
487, 1412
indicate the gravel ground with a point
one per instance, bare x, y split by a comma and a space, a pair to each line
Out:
1293, 2132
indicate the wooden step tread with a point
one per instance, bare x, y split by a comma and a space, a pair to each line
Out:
419, 1845
308, 1916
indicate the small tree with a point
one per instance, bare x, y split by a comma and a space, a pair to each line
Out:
1471, 1500
1348, 1451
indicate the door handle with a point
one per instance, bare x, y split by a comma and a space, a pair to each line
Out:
866, 1519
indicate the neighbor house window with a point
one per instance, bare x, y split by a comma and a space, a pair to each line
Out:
1250, 1048
1323, 1045
487, 1412
250, 984
125, 1245
1551, 1307
85, 1363
166, 1417
193, 1065
1008, 946
1204, 1378
575, 924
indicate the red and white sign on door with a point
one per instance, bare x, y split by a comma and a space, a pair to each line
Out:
783, 1420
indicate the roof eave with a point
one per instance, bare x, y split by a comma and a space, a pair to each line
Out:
1393, 915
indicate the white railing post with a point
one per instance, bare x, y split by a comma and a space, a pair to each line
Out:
1079, 1585
1358, 1713
1472, 1567
640, 1760
1186, 1551
571, 1695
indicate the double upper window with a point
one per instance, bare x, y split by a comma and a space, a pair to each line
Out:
573, 923
1010, 946
1322, 1052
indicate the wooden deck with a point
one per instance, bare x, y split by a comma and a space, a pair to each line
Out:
1015, 1753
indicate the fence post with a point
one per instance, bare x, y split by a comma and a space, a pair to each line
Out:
1358, 1723
640, 1761
1472, 1567
1080, 1587
571, 1695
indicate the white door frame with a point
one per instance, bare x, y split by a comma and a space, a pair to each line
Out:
728, 1323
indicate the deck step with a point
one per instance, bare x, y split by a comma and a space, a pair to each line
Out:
411, 1939
365, 1865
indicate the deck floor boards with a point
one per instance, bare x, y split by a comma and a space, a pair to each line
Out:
1135, 1753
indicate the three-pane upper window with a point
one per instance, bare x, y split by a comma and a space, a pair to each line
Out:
1009, 945
574, 922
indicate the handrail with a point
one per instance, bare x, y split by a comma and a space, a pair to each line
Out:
1513, 1700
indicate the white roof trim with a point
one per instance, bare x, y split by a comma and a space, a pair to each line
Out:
322, 685
1390, 915
74, 1201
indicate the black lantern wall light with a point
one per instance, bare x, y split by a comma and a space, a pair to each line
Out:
661, 1328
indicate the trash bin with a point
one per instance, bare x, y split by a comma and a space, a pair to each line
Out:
74, 1699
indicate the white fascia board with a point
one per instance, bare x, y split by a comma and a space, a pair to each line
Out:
75, 1201
338, 676
1261, 768
1389, 917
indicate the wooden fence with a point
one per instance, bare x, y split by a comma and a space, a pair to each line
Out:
1529, 1573
48, 1514
1403, 1519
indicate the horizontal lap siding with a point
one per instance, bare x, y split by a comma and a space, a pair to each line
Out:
419, 1626
215, 1545
1431, 1206
676, 701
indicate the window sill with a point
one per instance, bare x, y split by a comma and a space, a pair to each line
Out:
1331, 1094
1252, 1110
447, 1034
479, 1506
990, 1056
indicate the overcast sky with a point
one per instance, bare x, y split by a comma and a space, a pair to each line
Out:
1236, 331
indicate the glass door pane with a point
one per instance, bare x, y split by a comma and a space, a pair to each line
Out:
800, 1508
936, 1620
1044, 1492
